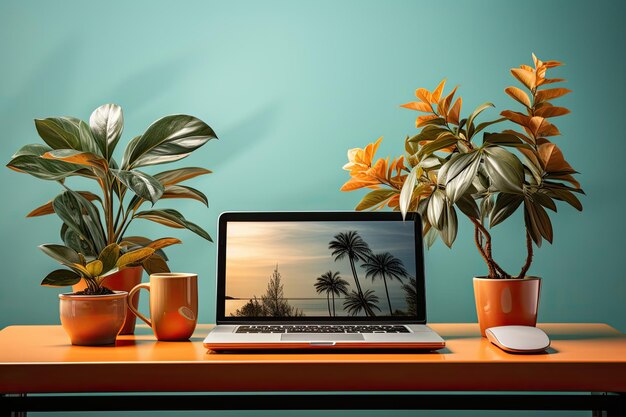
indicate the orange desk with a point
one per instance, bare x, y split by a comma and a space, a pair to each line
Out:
582, 358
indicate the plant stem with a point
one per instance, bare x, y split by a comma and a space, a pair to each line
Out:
119, 209
108, 208
125, 225
495, 271
478, 240
110, 229
529, 256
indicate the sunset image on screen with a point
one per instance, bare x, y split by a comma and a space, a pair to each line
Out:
320, 269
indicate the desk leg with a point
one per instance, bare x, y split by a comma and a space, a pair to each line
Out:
11, 413
599, 413
617, 410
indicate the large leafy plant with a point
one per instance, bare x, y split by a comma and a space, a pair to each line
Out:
91, 222
93, 272
449, 167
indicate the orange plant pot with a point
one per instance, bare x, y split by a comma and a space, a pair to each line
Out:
503, 302
124, 280
91, 320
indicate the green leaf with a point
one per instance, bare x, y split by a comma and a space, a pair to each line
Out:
504, 139
406, 194
80, 215
28, 159
59, 132
430, 236
134, 257
543, 199
475, 113
175, 176
107, 124
73, 240
567, 196
88, 159
439, 121
468, 206
375, 198
172, 218
183, 191
428, 133
436, 208
485, 125
444, 141
140, 241
155, 265
449, 225
61, 278
81, 270
505, 171
87, 141
559, 186
48, 209
168, 139
163, 243
431, 162
61, 254
67, 207
109, 257
33, 149
537, 221
94, 268
459, 173
505, 205
144, 185
486, 205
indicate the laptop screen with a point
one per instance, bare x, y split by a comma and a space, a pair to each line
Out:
319, 266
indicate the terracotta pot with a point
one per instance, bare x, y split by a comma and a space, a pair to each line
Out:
91, 320
124, 280
502, 302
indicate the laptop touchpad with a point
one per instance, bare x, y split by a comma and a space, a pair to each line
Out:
310, 337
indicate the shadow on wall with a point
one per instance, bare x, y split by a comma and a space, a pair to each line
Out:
38, 89
247, 135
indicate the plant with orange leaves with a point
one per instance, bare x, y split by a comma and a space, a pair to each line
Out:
447, 169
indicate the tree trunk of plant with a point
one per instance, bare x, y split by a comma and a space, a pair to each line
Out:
495, 271
529, 256
334, 313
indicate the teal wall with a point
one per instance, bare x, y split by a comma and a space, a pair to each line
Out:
289, 87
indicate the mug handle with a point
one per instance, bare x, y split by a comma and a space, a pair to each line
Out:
132, 308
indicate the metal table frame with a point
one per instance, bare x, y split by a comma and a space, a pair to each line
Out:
604, 404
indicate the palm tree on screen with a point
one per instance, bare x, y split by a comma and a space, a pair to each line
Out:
337, 286
351, 245
355, 303
385, 266
410, 295
322, 284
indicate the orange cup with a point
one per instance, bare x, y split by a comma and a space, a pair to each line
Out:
173, 305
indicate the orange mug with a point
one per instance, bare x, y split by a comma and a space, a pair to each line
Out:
173, 304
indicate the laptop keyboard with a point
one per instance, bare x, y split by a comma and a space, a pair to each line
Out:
333, 328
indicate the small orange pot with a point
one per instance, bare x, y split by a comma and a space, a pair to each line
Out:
124, 280
503, 302
91, 320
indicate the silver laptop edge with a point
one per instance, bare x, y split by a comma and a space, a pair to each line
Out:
224, 337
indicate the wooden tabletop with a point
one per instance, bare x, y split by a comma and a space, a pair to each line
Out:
582, 357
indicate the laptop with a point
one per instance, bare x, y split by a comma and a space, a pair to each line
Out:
320, 280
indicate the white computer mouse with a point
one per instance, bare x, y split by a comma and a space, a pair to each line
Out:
518, 339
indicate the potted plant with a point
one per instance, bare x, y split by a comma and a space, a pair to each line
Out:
448, 167
95, 315
91, 222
